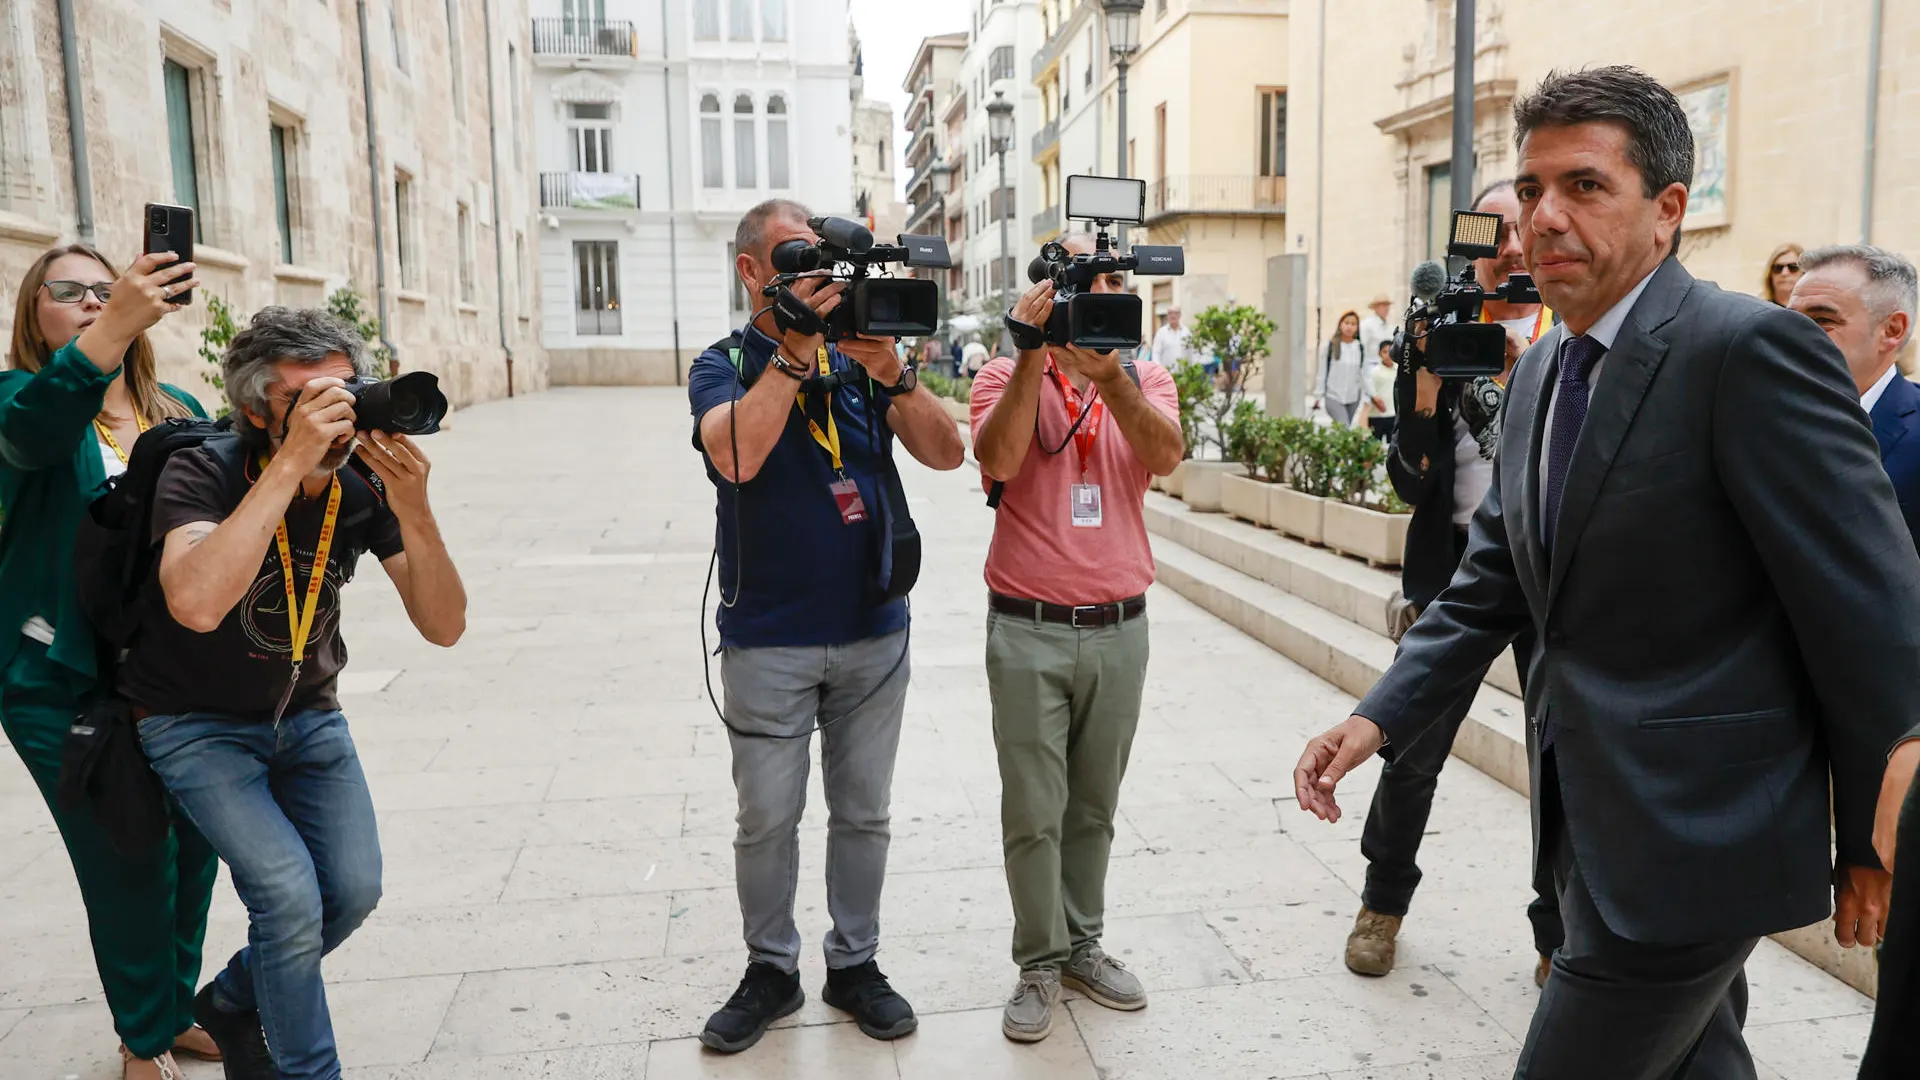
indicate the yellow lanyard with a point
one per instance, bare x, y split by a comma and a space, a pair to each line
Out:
106, 435
829, 439
300, 625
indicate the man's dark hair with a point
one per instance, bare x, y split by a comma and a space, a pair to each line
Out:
1659, 141
751, 236
1485, 192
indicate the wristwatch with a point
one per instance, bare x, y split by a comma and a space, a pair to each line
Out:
909, 379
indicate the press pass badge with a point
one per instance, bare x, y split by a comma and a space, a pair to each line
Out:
846, 494
1086, 505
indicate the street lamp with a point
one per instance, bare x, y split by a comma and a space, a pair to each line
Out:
1000, 130
1123, 40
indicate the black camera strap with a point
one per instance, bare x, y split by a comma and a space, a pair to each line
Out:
999, 487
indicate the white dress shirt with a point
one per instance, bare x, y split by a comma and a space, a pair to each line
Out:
1872, 397
1170, 346
1605, 330
1373, 331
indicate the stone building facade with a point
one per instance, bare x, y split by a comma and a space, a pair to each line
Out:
255, 114
1779, 99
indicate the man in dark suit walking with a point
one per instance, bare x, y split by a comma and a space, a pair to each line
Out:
1865, 299
1690, 513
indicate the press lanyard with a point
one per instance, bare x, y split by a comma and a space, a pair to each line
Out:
1096, 409
106, 435
1540, 322
829, 439
300, 624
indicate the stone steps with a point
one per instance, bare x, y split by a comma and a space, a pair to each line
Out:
1327, 613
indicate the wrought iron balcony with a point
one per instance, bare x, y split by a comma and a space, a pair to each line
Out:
583, 37
1231, 195
1046, 224
589, 191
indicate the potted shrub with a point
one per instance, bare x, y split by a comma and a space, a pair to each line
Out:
1298, 507
1238, 337
1250, 441
1356, 521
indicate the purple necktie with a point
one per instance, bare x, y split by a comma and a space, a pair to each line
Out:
1577, 358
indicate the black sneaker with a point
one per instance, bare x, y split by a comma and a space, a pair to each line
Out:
766, 994
865, 992
243, 1046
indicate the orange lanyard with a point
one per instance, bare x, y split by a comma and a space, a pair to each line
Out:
299, 623
829, 439
106, 435
1096, 409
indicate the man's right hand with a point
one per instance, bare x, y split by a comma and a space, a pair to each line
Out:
1328, 759
823, 297
1034, 308
320, 420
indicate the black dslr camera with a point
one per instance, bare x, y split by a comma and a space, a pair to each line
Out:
871, 306
1454, 343
411, 404
1103, 321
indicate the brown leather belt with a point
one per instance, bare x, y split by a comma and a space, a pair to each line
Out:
1081, 617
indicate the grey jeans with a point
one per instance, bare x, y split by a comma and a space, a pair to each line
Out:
783, 691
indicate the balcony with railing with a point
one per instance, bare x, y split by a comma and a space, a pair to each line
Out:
1046, 224
1049, 54
584, 38
589, 191
1217, 195
1047, 139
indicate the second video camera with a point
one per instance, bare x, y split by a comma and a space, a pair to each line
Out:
1103, 321
1454, 343
871, 306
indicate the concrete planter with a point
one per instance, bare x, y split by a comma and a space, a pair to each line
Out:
1295, 513
1246, 499
1200, 483
1379, 538
1175, 482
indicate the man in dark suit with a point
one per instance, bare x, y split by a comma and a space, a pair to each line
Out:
1865, 299
1689, 511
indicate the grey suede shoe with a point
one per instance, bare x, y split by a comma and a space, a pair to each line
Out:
1105, 980
1029, 1015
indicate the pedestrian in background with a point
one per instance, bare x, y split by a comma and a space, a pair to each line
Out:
1375, 329
1781, 274
1343, 374
1378, 411
80, 391
1170, 341
974, 357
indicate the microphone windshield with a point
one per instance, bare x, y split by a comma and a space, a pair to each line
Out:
1428, 279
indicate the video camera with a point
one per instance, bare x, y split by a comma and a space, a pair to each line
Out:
871, 306
1455, 343
1103, 321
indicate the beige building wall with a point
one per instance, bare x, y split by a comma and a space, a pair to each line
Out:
1795, 123
297, 66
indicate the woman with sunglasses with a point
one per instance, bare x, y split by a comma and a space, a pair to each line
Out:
82, 388
1783, 272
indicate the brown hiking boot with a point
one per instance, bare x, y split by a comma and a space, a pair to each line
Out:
1370, 946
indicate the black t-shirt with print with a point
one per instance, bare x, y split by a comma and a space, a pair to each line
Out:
242, 668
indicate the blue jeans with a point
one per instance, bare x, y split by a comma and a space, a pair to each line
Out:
289, 811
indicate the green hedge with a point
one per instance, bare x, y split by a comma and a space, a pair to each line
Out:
1334, 462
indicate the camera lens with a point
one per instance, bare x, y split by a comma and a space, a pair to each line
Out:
159, 221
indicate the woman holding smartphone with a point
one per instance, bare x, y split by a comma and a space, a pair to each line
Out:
81, 389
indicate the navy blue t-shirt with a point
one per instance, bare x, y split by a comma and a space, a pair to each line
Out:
805, 576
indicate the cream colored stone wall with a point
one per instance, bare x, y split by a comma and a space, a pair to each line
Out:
298, 64
1797, 72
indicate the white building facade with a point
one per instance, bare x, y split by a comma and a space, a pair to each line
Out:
1004, 36
658, 123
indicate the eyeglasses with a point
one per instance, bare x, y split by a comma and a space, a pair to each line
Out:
1786, 268
71, 292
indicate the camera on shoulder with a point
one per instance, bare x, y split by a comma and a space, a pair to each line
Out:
873, 306
1082, 317
1443, 331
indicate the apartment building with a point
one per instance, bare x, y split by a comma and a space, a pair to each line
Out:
992, 69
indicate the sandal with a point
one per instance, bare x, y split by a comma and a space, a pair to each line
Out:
165, 1067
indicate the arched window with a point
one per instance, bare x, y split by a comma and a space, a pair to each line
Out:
744, 155
712, 172
777, 174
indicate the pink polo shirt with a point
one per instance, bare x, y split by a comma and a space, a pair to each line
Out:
1038, 553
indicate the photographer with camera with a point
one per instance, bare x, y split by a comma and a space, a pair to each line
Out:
807, 512
233, 674
1441, 463
1067, 437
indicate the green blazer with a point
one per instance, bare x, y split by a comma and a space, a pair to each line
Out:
50, 470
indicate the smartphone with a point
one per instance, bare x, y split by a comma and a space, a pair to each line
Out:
170, 228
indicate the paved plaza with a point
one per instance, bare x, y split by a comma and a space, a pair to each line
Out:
556, 812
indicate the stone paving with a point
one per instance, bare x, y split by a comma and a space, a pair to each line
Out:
556, 814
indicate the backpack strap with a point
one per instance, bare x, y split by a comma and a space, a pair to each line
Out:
999, 487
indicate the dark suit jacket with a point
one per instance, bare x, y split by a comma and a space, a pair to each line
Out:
1729, 613
1432, 554
1896, 416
